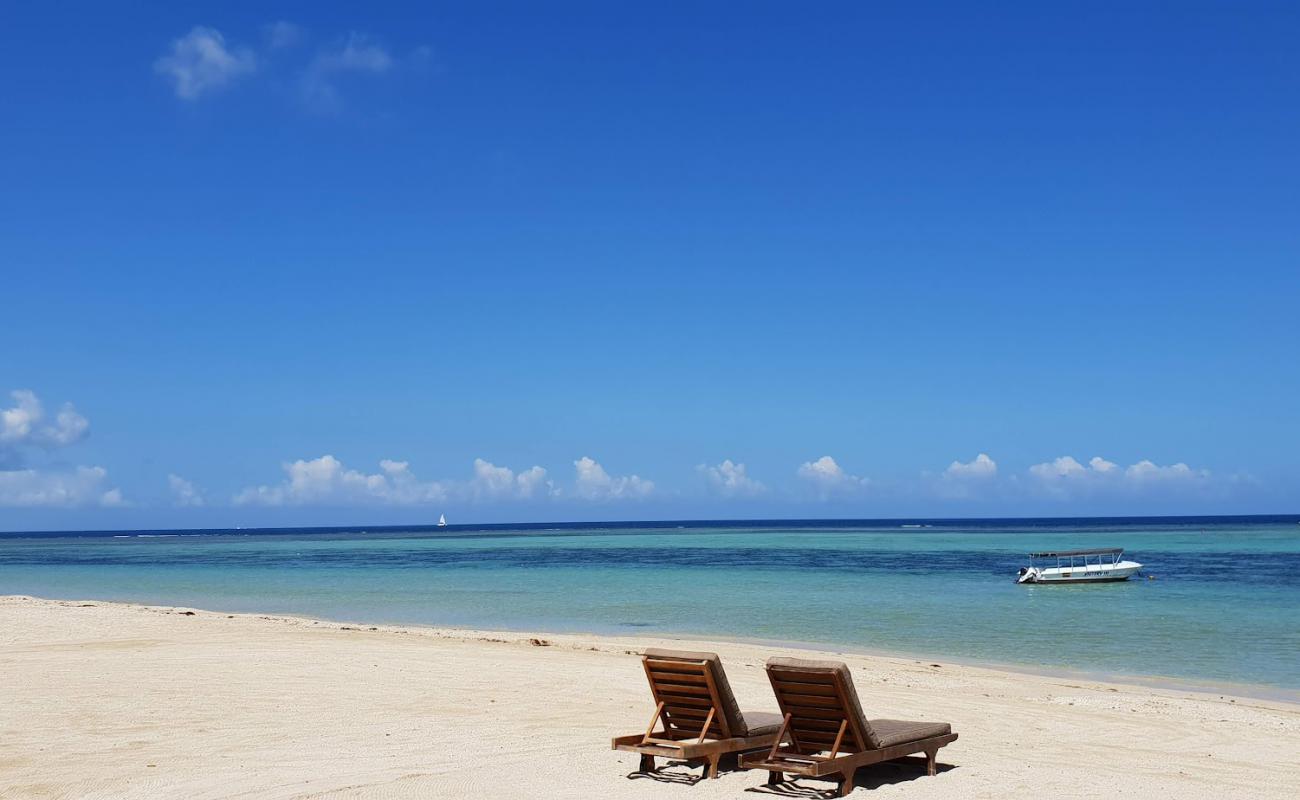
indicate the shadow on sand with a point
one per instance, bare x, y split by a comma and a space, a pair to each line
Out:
872, 777
899, 770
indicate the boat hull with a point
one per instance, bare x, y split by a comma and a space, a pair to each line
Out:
1091, 574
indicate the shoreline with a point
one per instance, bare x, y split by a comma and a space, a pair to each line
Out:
1171, 683
126, 700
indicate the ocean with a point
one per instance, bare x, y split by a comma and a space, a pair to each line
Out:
1218, 602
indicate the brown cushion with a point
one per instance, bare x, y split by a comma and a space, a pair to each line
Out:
761, 722
730, 708
896, 731
854, 711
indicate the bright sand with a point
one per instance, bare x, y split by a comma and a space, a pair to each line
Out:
102, 700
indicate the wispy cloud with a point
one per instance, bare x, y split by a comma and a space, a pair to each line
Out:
184, 493
357, 54
282, 34
200, 62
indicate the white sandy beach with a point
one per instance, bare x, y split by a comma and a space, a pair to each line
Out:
104, 700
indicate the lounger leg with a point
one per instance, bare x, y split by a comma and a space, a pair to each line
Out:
647, 763
711, 769
846, 785
775, 778
929, 762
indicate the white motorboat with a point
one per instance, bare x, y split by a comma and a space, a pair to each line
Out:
1079, 566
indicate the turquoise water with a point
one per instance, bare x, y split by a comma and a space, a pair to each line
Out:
1224, 605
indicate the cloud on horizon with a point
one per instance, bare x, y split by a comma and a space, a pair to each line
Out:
979, 468
592, 482
326, 481
28, 434
491, 481
728, 479
81, 486
1065, 478
829, 479
31, 435
184, 493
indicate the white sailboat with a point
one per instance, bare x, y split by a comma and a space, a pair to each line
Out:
442, 520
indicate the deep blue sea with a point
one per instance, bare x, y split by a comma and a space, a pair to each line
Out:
1219, 601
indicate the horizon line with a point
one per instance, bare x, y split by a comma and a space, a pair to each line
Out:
806, 522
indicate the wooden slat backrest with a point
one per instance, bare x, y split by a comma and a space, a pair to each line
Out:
819, 709
688, 694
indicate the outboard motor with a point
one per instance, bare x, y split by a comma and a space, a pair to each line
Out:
1027, 575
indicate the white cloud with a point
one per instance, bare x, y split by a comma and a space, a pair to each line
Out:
491, 481
823, 469
592, 482
25, 423
184, 493
25, 432
357, 54
1063, 467
830, 478
1145, 471
533, 481
200, 62
1100, 464
325, 481
1065, 476
729, 479
979, 468
80, 487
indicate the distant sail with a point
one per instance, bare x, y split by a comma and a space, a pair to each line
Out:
442, 520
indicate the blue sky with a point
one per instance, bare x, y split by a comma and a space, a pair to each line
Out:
311, 263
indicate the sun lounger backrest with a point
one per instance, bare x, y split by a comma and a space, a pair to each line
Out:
820, 698
689, 684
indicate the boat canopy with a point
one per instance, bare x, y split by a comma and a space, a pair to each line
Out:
1105, 551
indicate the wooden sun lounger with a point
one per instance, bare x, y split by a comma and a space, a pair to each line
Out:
828, 734
699, 718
